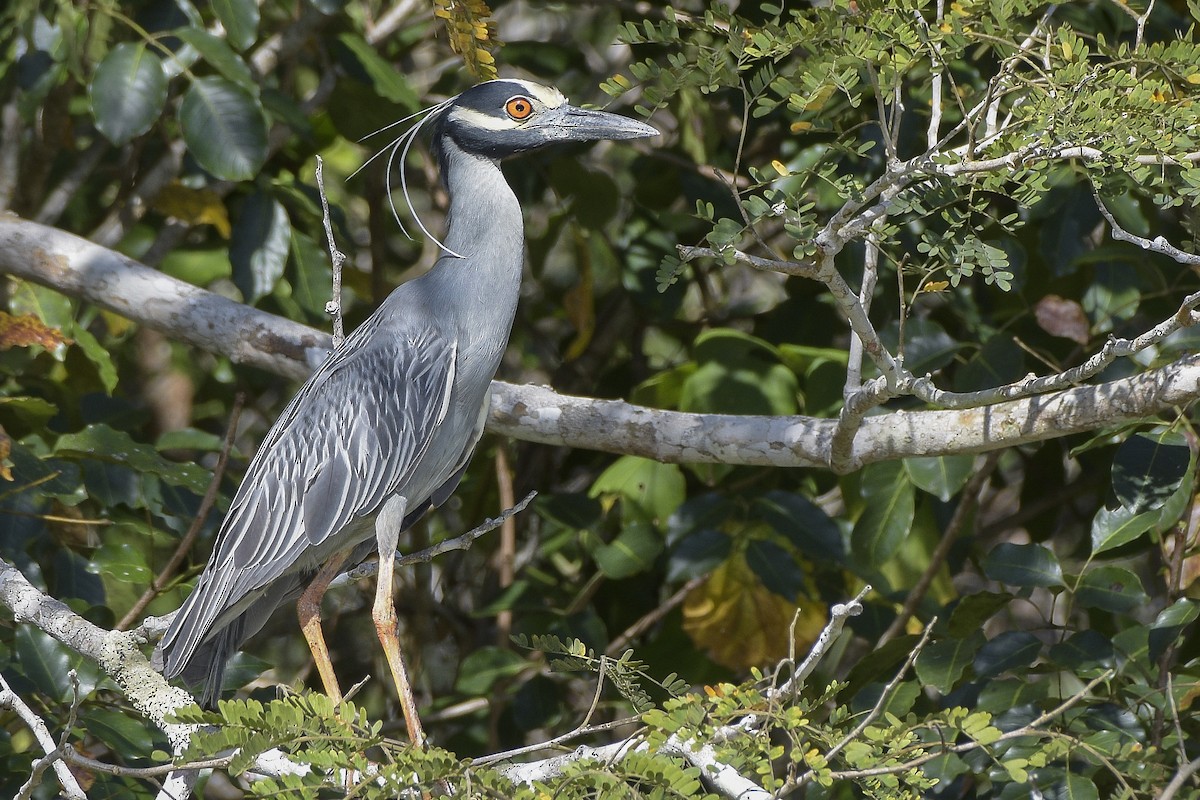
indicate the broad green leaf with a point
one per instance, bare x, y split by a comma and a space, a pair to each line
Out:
1007, 651
974, 610
121, 732
97, 354
102, 443
384, 78
1148, 469
1111, 529
941, 476
128, 92
738, 374
887, 517
1169, 624
802, 522
1112, 589
123, 562
44, 661
311, 275
998, 362
927, 346
259, 247
220, 56
481, 669
697, 554
1072, 787
224, 128
775, 567
240, 20
1087, 648
657, 489
634, 549
1023, 565
999, 696
941, 664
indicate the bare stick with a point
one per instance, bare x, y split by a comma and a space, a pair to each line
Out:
462, 542
334, 306
641, 625
506, 557
53, 757
884, 696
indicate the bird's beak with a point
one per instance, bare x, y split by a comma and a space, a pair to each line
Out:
570, 123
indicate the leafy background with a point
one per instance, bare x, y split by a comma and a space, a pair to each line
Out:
185, 136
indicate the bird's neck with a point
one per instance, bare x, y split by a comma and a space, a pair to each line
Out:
485, 228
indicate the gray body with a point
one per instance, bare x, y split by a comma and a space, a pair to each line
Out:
396, 411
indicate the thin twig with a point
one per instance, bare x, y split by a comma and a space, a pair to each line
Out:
970, 499
54, 752
1156, 245
334, 306
557, 740
839, 615
185, 544
1181, 777
650, 618
462, 542
881, 703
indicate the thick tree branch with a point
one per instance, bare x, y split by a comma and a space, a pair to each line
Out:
247, 336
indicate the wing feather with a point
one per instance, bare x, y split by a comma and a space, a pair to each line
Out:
351, 438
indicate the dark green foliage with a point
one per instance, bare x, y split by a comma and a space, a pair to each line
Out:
1060, 608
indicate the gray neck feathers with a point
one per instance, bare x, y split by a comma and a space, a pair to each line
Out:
485, 228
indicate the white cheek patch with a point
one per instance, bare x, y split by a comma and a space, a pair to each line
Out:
477, 119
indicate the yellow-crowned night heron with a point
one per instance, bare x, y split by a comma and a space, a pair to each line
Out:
384, 428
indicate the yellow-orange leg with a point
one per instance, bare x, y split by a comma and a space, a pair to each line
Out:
308, 608
387, 531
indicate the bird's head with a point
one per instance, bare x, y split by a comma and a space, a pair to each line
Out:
505, 117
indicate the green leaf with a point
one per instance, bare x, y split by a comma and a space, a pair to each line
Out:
385, 79
1007, 651
1023, 565
123, 734
240, 20
941, 664
801, 522
103, 443
738, 374
974, 610
1112, 529
259, 246
220, 56
224, 128
481, 669
941, 476
310, 274
657, 489
697, 554
1082, 649
1148, 469
128, 92
96, 353
888, 516
634, 550
44, 661
999, 696
776, 568
123, 562
1112, 589
1169, 623
1072, 787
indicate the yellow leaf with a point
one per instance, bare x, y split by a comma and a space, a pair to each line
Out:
780, 167
5, 449
801, 126
1194, 78
820, 98
740, 622
193, 206
935, 286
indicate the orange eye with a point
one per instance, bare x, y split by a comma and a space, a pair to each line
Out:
519, 107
